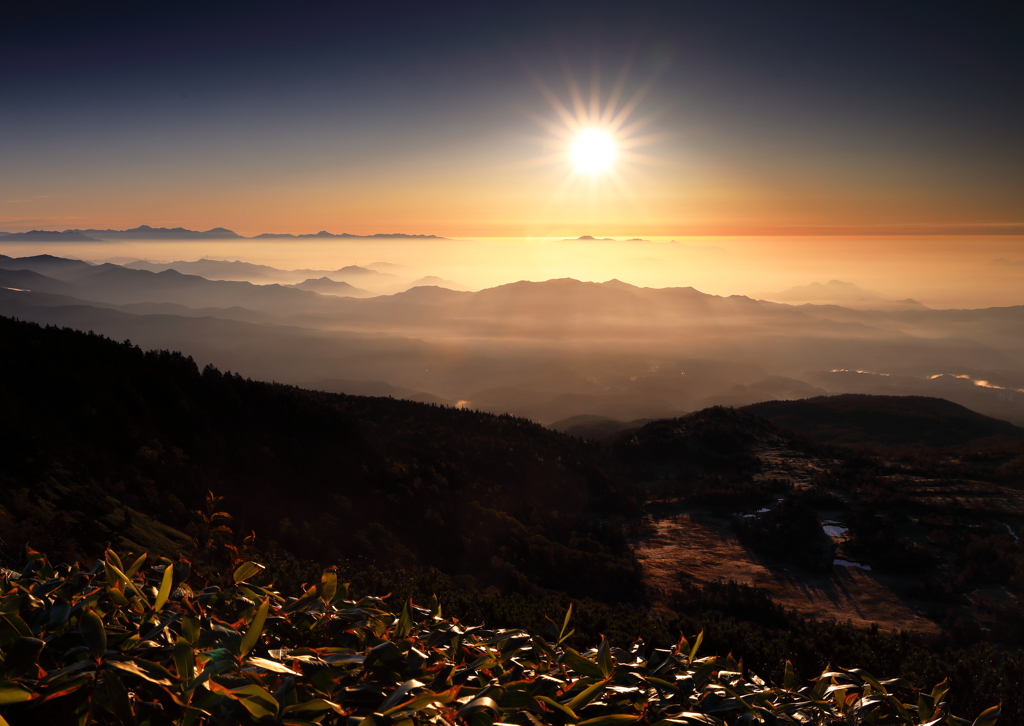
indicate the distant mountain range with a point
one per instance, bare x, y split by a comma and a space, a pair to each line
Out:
837, 292
42, 235
327, 286
545, 350
145, 232
355, 281
345, 235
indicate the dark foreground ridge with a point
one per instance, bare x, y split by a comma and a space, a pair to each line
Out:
504, 521
97, 433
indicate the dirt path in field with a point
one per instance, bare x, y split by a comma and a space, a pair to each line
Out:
704, 550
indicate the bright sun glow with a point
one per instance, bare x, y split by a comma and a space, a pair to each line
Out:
593, 151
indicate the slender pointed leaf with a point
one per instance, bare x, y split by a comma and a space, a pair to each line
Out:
404, 625
165, 588
617, 719
696, 645
245, 571
989, 716
252, 635
93, 633
585, 696
565, 624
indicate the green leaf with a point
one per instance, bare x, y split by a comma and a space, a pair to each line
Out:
661, 683
190, 629
272, 666
316, 705
11, 693
924, 709
604, 658
989, 716
329, 585
17, 624
399, 693
585, 696
404, 625
245, 571
114, 573
165, 588
137, 565
580, 664
696, 645
93, 633
565, 624
184, 660
60, 612
252, 635
617, 719
901, 710
258, 701
566, 712
789, 679
513, 700
307, 597
117, 597
118, 699
691, 717
147, 670
385, 651
868, 678
112, 558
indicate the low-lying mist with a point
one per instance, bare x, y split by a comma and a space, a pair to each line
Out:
939, 272
550, 329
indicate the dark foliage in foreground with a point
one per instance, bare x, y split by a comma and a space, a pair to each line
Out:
127, 643
102, 441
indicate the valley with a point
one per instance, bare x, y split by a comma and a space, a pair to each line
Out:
613, 350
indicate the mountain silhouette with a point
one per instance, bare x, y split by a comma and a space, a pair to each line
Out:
145, 232
327, 286
345, 235
837, 292
887, 420
39, 235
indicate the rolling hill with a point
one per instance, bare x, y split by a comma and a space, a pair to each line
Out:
94, 430
893, 421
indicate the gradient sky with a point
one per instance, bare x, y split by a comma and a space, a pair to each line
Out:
777, 118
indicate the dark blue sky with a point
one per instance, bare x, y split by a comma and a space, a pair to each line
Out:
296, 116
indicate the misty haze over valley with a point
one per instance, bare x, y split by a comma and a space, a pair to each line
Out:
548, 349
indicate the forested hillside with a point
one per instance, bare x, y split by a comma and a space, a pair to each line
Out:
504, 521
97, 432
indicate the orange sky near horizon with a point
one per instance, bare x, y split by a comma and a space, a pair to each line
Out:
780, 122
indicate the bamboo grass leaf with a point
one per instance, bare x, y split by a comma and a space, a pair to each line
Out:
252, 635
165, 588
246, 570
989, 716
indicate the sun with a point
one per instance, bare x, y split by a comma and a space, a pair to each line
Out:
593, 151
591, 144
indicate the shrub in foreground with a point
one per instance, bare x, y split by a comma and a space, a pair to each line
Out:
135, 644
